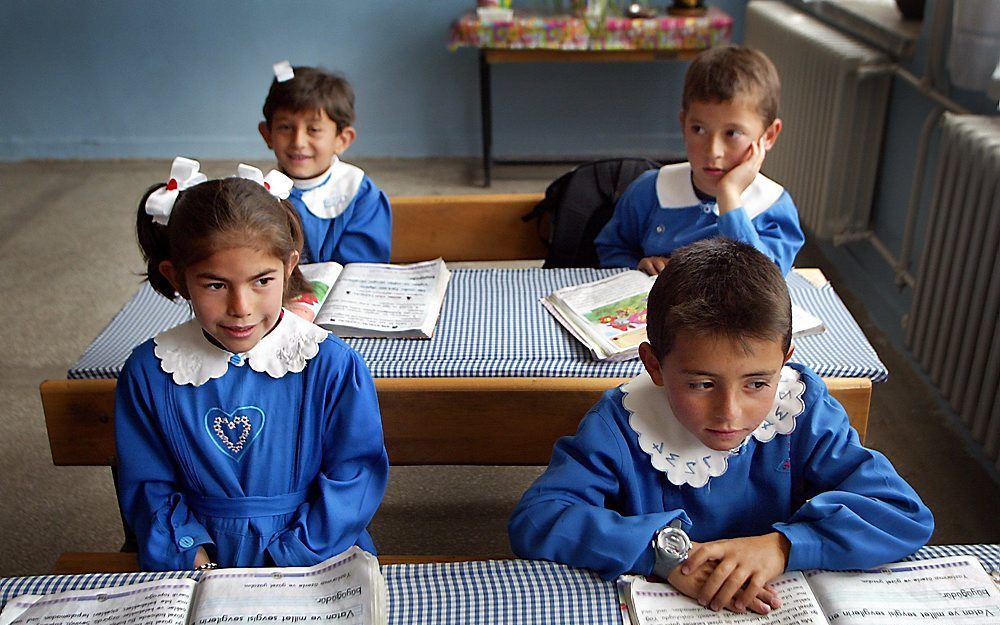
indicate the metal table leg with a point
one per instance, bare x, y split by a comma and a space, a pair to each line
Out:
486, 105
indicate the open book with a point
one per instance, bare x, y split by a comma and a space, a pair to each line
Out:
375, 300
940, 590
347, 589
609, 315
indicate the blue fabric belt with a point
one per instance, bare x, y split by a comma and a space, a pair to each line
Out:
243, 507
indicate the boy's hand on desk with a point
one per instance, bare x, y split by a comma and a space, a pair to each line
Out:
653, 265
743, 567
732, 185
691, 584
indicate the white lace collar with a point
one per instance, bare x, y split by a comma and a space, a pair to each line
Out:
190, 358
675, 190
329, 194
677, 452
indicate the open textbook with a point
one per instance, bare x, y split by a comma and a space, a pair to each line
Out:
347, 589
609, 315
375, 300
954, 590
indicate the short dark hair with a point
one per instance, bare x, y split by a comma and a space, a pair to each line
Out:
726, 73
312, 88
718, 287
217, 215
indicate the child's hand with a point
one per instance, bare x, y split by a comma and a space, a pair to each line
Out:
691, 584
653, 265
732, 185
745, 564
201, 557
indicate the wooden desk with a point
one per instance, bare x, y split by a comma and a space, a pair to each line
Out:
427, 421
452, 420
76, 562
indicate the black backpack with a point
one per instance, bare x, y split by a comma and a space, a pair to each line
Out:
579, 203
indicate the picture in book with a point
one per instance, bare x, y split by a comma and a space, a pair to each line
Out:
374, 300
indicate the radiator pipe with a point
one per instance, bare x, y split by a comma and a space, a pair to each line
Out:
903, 277
926, 87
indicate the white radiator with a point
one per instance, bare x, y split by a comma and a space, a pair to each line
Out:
953, 326
834, 97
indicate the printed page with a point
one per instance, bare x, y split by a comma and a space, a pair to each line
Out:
164, 602
322, 277
943, 590
347, 589
804, 323
373, 299
611, 312
655, 603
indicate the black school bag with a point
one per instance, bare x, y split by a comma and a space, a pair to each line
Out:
579, 203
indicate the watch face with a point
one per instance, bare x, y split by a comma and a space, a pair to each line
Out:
674, 542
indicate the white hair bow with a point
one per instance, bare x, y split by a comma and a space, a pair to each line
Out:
283, 71
184, 174
276, 182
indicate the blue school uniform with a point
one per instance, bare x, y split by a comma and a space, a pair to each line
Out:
632, 468
345, 217
661, 211
272, 457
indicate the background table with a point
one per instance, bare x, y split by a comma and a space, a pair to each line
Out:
492, 325
468, 593
533, 38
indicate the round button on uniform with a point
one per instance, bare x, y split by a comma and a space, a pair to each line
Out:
185, 542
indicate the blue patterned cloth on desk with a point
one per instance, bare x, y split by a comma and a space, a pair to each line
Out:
492, 325
468, 593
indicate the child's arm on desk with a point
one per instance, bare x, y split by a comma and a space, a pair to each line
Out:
856, 511
570, 514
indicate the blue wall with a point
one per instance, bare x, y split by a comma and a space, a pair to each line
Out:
132, 78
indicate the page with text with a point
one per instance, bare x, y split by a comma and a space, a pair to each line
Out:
655, 603
164, 601
348, 590
953, 590
379, 299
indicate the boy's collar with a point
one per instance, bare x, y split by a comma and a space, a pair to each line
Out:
674, 189
677, 452
190, 358
337, 188
305, 184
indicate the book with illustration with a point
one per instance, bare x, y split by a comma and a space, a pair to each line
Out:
374, 300
347, 589
953, 590
609, 315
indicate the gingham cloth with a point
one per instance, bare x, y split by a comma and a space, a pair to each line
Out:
511, 592
492, 325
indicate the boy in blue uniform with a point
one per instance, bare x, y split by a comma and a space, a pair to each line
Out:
729, 119
309, 123
723, 443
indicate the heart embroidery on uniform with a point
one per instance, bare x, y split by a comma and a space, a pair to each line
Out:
233, 432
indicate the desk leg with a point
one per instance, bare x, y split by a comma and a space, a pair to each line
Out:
486, 106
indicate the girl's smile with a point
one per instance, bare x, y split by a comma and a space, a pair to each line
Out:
236, 294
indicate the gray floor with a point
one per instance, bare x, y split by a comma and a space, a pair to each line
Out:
69, 262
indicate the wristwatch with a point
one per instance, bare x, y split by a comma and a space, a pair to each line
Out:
671, 546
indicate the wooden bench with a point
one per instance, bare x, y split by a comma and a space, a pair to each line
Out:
427, 421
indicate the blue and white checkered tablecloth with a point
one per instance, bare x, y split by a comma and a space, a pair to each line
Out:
512, 592
492, 325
